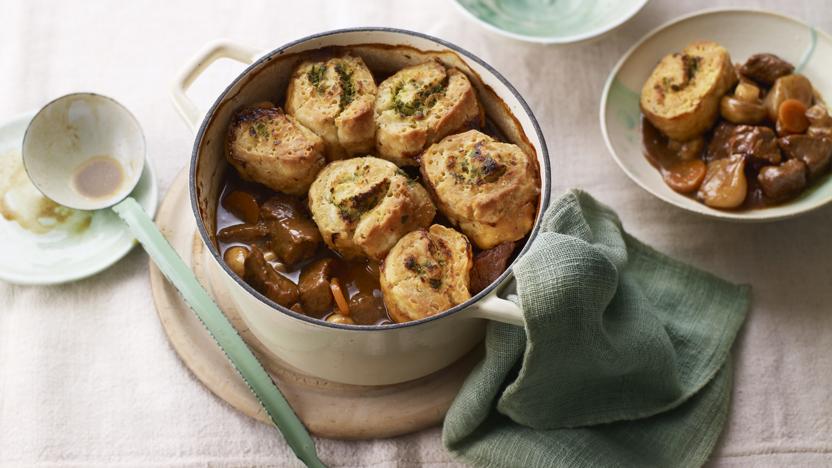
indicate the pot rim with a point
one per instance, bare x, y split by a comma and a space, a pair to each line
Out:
545, 178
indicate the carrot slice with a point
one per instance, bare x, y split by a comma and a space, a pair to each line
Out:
338, 294
791, 116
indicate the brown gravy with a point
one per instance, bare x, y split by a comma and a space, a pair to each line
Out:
98, 177
660, 155
656, 148
22, 203
356, 276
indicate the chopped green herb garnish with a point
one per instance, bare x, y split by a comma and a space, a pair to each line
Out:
690, 65
476, 167
347, 86
425, 98
403, 107
428, 267
316, 75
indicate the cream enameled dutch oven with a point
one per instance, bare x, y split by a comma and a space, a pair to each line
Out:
362, 355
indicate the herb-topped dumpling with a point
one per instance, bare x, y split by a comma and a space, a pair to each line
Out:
426, 273
335, 99
363, 206
487, 188
682, 95
418, 106
267, 146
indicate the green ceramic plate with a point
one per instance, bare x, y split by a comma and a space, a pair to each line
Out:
551, 21
44, 243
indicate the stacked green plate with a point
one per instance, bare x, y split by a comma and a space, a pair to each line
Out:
551, 21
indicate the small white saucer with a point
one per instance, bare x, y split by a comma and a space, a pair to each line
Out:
49, 252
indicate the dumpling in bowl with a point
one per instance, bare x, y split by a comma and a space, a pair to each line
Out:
419, 105
269, 147
426, 273
487, 188
681, 97
363, 206
335, 99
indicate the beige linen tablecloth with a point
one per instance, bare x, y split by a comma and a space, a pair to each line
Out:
88, 378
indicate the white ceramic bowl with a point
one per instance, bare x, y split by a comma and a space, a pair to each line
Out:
364, 355
743, 33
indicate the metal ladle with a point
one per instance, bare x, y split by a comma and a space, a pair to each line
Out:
76, 130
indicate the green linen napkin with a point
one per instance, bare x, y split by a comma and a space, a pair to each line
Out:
624, 360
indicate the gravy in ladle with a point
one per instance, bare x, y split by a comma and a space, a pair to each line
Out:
98, 177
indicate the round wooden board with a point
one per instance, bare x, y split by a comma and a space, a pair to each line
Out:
328, 409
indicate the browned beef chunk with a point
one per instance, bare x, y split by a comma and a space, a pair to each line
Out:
784, 181
757, 143
293, 240
293, 236
815, 152
765, 68
313, 285
720, 145
265, 279
489, 265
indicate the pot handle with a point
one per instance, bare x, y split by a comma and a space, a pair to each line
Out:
209, 54
494, 307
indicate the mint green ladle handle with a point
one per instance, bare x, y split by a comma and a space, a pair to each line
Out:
178, 273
